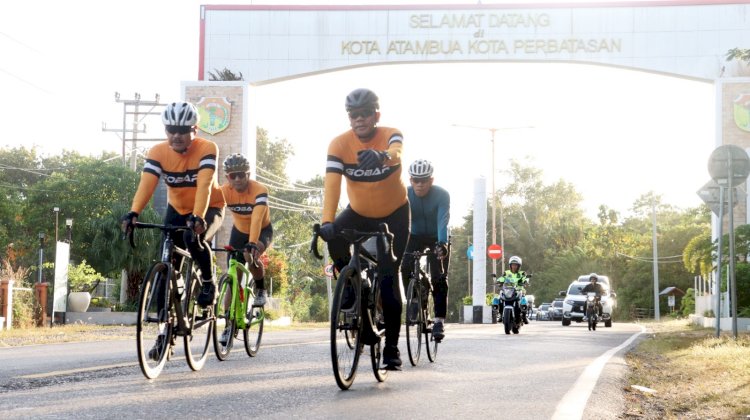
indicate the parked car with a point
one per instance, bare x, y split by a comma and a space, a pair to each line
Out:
542, 312
574, 303
556, 310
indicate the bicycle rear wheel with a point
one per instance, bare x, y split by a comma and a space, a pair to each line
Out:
225, 326
253, 332
430, 343
346, 326
201, 322
154, 329
413, 323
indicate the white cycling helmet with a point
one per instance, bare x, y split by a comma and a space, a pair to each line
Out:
420, 168
515, 260
180, 114
593, 276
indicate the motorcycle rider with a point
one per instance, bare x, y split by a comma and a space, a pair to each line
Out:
594, 287
519, 280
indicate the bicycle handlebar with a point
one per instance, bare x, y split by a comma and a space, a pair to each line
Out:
314, 242
353, 235
230, 249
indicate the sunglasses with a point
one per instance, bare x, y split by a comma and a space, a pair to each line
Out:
237, 175
420, 180
364, 113
178, 129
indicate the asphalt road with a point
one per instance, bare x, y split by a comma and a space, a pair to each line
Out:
547, 371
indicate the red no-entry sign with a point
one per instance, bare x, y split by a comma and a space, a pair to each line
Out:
495, 251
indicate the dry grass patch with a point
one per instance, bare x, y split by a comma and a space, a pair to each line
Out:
64, 334
87, 332
695, 374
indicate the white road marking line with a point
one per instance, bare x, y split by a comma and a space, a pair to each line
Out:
574, 402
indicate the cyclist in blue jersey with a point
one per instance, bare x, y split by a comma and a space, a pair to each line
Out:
430, 213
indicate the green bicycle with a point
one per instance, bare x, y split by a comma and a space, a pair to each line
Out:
235, 311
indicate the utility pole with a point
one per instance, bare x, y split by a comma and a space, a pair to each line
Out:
131, 107
492, 131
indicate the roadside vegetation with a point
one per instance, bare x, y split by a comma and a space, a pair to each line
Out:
693, 374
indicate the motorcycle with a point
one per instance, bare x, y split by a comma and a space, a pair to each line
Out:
592, 311
508, 301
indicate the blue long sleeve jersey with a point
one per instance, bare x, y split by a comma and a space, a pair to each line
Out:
430, 214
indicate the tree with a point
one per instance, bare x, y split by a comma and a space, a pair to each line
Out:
223, 75
739, 54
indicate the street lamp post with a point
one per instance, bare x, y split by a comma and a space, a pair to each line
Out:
492, 131
57, 214
69, 229
41, 256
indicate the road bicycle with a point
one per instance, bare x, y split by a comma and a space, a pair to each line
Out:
235, 311
356, 310
420, 305
168, 307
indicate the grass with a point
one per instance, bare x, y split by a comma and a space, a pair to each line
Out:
695, 375
86, 332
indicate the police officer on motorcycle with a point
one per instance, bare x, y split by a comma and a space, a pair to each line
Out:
594, 287
518, 278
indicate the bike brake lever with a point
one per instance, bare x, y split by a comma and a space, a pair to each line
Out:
314, 242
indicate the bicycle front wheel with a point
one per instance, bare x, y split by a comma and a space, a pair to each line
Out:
225, 328
430, 343
154, 329
346, 327
413, 322
200, 322
253, 331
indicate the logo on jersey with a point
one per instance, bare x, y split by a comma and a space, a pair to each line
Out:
355, 173
241, 208
742, 111
184, 179
214, 114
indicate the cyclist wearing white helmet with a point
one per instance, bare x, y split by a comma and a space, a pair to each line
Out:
518, 278
188, 166
369, 157
430, 213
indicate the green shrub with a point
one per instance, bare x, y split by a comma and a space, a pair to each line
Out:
688, 302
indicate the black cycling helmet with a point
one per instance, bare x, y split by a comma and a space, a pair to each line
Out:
236, 163
362, 98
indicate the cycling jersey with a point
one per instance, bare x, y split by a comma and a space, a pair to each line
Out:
374, 193
250, 211
430, 214
190, 177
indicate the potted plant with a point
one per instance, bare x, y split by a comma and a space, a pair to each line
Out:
82, 280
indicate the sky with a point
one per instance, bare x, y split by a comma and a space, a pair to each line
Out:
614, 134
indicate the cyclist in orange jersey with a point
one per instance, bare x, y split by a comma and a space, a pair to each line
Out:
369, 157
188, 166
252, 230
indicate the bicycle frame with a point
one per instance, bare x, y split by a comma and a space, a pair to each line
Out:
168, 251
238, 305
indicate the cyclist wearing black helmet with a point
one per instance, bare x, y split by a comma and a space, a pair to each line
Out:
252, 231
188, 166
369, 157
430, 214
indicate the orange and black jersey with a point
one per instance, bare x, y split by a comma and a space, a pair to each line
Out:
250, 212
372, 193
190, 177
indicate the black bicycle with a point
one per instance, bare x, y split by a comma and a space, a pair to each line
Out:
356, 310
168, 307
420, 305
